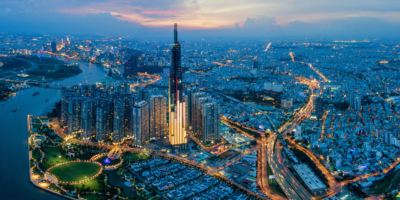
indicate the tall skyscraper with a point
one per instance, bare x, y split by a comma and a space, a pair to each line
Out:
206, 80
256, 64
102, 127
189, 91
88, 118
84, 90
67, 95
194, 111
140, 122
210, 123
158, 117
177, 132
198, 122
129, 103
124, 87
118, 129
110, 120
319, 107
74, 114
130, 67
355, 101
53, 47
91, 93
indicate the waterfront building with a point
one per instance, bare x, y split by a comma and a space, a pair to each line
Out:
74, 114
66, 96
77, 90
88, 118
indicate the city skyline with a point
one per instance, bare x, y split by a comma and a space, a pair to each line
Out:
271, 100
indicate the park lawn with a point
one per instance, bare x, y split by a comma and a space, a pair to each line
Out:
36, 121
37, 126
96, 184
134, 157
37, 171
75, 171
53, 157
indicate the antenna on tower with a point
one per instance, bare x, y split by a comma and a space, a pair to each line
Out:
175, 33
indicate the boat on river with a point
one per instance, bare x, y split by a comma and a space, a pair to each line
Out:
15, 110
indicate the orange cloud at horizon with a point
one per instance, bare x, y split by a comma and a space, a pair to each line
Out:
214, 14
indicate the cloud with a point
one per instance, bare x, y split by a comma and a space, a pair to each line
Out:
104, 23
262, 22
237, 26
255, 18
6, 10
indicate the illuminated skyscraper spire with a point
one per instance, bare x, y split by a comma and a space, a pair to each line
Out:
175, 33
177, 133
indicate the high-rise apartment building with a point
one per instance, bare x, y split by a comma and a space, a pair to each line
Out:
74, 114
129, 103
88, 118
77, 90
158, 116
319, 104
67, 95
102, 126
118, 123
140, 122
54, 47
210, 123
124, 88
130, 67
189, 91
198, 122
256, 64
194, 110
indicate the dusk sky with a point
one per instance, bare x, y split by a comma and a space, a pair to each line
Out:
198, 18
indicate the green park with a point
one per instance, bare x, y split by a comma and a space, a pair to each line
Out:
75, 171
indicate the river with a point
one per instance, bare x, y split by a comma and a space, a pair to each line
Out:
14, 164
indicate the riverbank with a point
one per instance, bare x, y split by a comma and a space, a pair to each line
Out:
14, 140
48, 109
